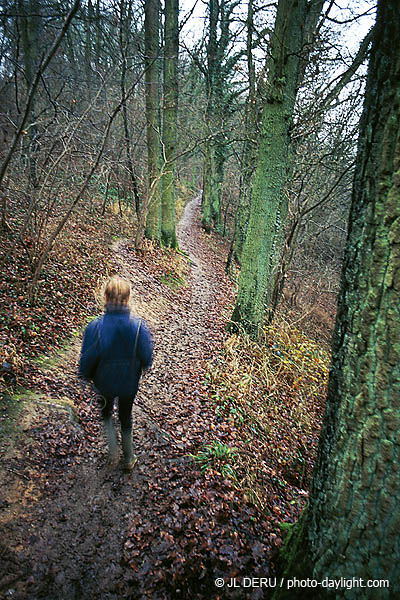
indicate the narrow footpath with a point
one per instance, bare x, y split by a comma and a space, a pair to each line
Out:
72, 529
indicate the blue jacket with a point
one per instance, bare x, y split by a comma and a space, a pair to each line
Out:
108, 357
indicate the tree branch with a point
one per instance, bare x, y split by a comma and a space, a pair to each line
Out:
32, 90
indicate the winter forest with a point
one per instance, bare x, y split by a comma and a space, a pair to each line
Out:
235, 164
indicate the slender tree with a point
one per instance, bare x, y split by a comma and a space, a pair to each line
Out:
31, 93
314, 119
220, 95
350, 527
30, 22
210, 211
125, 16
170, 114
89, 46
151, 27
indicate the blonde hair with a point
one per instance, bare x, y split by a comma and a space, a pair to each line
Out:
117, 291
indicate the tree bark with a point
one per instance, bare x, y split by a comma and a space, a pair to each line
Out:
272, 164
124, 33
170, 115
210, 212
350, 526
249, 152
151, 26
30, 25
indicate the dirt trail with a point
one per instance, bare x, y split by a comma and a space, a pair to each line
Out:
71, 543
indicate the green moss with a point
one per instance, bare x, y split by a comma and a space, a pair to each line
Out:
294, 561
286, 528
12, 407
173, 280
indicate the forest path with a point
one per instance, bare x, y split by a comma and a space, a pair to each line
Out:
94, 533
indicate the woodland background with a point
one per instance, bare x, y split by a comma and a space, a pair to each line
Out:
75, 153
114, 116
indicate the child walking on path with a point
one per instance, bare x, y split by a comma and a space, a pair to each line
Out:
117, 347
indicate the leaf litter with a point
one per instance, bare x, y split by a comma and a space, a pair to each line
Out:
169, 529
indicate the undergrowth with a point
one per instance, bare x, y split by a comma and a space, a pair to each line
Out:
269, 400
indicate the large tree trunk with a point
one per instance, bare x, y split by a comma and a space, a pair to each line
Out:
170, 113
350, 528
250, 145
272, 164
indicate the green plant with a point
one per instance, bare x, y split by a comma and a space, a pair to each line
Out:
217, 456
172, 279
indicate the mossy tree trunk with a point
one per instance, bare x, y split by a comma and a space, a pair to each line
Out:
272, 164
170, 113
351, 525
249, 152
153, 205
212, 183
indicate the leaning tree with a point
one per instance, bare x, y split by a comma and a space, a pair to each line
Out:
294, 19
350, 527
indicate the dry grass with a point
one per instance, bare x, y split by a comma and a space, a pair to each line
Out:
272, 396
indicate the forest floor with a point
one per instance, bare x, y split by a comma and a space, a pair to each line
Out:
71, 528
